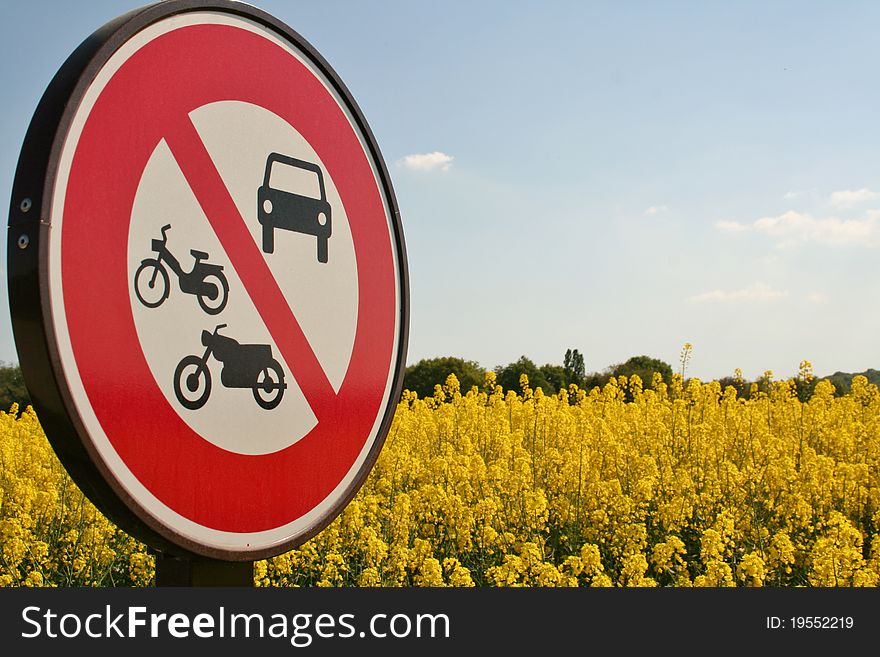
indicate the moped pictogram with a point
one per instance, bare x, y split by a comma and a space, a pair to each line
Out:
244, 366
206, 281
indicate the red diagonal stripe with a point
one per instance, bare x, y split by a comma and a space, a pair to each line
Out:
247, 260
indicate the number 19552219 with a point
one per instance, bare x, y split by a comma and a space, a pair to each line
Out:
810, 623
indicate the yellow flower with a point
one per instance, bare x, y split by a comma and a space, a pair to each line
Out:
675, 484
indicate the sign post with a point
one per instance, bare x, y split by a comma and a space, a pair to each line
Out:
208, 282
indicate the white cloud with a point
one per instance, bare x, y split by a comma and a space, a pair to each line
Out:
817, 297
849, 197
793, 227
760, 292
426, 161
790, 195
732, 227
656, 209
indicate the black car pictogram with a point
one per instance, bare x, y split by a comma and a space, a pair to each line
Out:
292, 197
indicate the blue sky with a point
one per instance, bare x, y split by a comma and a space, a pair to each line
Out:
618, 178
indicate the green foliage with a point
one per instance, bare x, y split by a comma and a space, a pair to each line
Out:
507, 376
740, 385
843, 380
428, 372
555, 376
422, 377
574, 368
644, 367
12, 388
549, 377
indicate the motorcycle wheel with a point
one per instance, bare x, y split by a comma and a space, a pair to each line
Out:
192, 382
269, 387
151, 283
214, 304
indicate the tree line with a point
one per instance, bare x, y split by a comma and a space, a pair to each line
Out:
12, 387
429, 372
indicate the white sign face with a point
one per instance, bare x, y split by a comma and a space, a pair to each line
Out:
322, 296
227, 283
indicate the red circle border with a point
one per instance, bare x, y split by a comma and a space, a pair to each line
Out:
160, 83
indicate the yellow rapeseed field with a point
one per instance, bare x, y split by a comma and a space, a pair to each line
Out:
679, 485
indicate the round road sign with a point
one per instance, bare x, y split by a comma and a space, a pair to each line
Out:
211, 307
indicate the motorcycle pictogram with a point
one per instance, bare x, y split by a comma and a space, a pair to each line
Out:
206, 281
244, 366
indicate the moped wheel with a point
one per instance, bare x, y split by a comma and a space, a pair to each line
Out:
214, 294
269, 387
151, 283
192, 382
